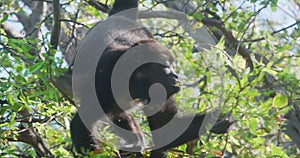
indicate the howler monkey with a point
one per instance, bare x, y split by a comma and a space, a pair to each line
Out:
140, 82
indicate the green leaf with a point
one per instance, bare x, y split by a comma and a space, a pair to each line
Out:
258, 141
19, 68
191, 100
252, 125
280, 101
274, 5
10, 100
4, 18
36, 67
17, 41
276, 151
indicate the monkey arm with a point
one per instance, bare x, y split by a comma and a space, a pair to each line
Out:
167, 113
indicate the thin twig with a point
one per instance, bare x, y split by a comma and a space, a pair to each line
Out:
274, 32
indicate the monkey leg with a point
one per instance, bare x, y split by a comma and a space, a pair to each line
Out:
84, 141
126, 127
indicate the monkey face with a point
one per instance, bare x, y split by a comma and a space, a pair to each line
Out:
149, 74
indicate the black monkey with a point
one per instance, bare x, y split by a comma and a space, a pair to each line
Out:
139, 84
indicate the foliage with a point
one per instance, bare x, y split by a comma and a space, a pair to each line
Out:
256, 97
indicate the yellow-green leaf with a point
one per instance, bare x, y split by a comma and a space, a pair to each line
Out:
280, 101
252, 124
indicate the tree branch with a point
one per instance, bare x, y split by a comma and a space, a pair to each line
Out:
56, 29
245, 53
99, 6
274, 32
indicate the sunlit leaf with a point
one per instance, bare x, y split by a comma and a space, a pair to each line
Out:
280, 101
